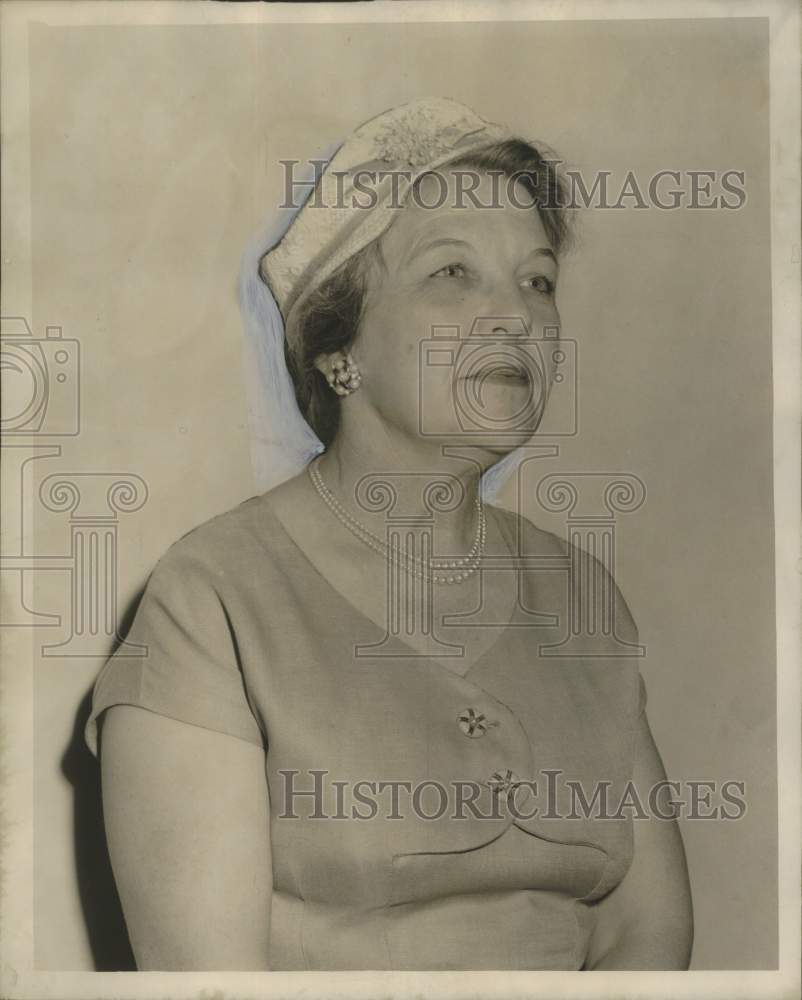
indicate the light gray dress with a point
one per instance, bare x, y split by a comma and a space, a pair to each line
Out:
246, 637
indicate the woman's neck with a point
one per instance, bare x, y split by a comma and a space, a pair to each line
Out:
394, 479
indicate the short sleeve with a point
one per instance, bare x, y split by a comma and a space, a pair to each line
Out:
187, 667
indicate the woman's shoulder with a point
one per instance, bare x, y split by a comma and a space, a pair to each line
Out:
255, 540
224, 540
527, 538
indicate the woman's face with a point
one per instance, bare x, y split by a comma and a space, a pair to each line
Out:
451, 342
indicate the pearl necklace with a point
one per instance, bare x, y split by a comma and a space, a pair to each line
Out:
463, 567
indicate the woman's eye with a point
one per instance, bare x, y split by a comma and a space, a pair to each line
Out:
450, 271
540, 283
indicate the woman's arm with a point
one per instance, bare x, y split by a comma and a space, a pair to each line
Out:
646, 922
187, 821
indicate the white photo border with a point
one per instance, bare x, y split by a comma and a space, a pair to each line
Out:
18, 978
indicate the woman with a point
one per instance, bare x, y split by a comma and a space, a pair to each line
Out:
336, 768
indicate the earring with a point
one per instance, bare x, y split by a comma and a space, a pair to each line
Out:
345, 376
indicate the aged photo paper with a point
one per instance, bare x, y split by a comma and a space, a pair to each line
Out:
153, 156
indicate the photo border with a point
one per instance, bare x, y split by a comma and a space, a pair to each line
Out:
18, 978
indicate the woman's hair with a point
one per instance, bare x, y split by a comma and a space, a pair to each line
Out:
329, 318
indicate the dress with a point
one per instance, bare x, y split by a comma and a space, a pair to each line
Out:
246, 637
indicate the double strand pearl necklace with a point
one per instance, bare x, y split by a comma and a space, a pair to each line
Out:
461, 568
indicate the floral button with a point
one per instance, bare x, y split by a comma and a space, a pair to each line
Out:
503, 781
472, 723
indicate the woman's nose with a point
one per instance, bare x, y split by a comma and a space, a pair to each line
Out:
501, 326
511, 312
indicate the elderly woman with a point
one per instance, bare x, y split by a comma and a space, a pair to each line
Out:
347, 745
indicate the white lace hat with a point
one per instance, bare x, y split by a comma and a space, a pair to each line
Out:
383, 158
304, 245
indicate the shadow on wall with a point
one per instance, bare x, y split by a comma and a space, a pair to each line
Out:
103, 915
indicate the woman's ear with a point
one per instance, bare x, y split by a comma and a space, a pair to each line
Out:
329, 364
325, 363
340, 371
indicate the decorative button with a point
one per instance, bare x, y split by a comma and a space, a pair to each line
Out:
473, 723
503, 781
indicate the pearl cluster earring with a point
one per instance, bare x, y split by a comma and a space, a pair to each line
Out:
345, 376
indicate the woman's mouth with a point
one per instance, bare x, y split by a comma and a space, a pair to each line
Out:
502, 372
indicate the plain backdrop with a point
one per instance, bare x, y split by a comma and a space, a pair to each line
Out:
155, 155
